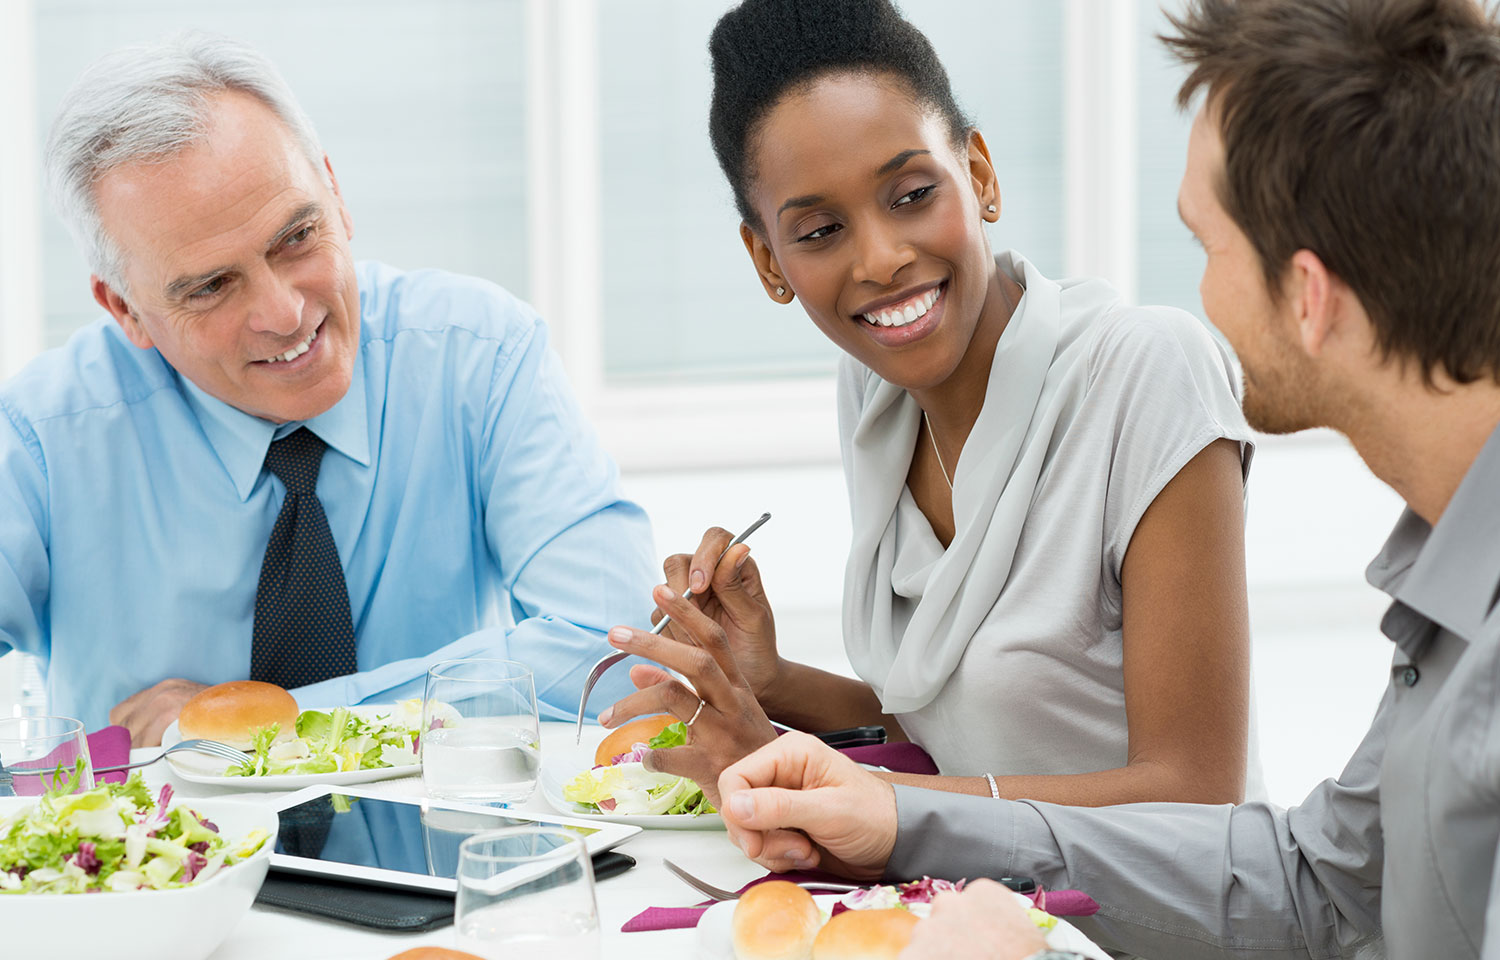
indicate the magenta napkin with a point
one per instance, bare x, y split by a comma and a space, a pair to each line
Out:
108, 748
896, 757
1059, 903
1065, 903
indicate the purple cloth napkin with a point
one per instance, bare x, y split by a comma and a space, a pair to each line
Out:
108, 748
896, 757
1065, 903
1059, 903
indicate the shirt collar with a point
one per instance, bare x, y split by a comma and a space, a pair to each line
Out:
241, 440
1449, 573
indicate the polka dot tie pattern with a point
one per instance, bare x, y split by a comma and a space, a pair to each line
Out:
303, 632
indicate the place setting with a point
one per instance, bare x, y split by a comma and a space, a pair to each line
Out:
336, 846
448, 830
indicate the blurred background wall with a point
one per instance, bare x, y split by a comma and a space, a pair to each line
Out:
558, 147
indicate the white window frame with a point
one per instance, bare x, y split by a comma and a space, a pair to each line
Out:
21, 336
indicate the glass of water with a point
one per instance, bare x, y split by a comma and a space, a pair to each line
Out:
38, 754
526, 893
480, 738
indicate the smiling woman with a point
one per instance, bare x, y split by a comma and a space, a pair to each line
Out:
1046, 581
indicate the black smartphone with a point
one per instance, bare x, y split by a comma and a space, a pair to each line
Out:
611, 863
1018, 884
853, 737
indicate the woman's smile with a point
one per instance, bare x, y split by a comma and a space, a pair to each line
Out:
895, 322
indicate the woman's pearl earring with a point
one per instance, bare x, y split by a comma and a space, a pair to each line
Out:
781, 291
991, 208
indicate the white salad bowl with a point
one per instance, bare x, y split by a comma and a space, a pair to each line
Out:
185, 924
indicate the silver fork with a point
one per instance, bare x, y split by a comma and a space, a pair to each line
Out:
719, 893
211, 747
609, 660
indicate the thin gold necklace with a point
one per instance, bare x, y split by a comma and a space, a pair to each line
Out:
933, 437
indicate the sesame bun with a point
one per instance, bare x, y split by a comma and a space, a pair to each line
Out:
864, 935
232, 712
775, 920
434, 953
621, 739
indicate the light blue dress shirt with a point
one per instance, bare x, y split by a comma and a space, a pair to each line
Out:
474, 510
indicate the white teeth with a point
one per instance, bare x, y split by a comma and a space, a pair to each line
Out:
296, 351
902, 315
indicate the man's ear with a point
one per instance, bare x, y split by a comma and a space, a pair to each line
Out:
982, 177
766, 267
333, 182
1311, 289
110, 300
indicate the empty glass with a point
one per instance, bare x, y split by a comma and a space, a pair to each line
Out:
480, 738
527, 892
39, 753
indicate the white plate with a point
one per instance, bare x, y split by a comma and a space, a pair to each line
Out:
202, 768
558, 767
716, 938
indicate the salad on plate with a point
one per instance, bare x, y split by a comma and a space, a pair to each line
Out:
112, 838
625, 787
337, 741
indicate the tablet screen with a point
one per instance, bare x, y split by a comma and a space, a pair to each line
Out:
388, 835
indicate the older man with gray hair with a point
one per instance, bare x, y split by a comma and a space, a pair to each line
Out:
271, 461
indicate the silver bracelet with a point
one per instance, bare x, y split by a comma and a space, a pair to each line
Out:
994, 790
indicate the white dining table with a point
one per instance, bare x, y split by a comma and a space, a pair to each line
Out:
267, 932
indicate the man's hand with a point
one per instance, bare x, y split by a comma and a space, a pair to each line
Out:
798, 789
149, 712
985, 922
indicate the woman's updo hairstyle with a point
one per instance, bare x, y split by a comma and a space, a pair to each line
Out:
764, 49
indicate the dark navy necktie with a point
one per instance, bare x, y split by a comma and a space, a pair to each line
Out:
303, 633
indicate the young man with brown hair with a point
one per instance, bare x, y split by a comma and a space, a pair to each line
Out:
1343, 176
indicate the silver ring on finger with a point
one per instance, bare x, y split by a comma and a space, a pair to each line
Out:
695, 713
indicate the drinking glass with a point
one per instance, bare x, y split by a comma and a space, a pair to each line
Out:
480, 738
39, 753
524, 893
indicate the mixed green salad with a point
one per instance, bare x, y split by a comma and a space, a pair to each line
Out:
114, 838
627, 787
917, 897
337, 741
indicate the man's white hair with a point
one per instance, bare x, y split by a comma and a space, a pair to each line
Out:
144, 104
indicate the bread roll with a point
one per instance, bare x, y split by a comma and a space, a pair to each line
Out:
775, 920
232, 712
434, 953
621, 739
864, 935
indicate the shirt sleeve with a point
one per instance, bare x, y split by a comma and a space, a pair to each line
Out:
1167, 390
25, 573
574, 555
1176, 880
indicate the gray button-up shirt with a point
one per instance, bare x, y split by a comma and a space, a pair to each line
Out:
1402, 846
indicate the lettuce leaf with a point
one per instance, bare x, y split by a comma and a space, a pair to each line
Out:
637, 791
672, 735
334, 741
